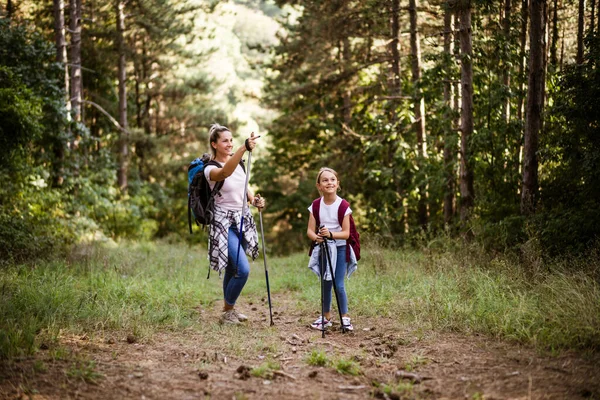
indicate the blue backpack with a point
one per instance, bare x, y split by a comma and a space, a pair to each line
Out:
201, 199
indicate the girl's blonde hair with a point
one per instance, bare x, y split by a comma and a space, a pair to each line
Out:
326, 169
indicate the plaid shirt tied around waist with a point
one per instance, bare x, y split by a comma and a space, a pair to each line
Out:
217, 242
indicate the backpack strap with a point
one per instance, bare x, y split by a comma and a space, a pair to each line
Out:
342, 211
316, 208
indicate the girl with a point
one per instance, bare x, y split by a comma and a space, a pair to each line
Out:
330, 222
224, 231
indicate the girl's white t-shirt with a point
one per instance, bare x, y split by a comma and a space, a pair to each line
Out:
328, 216
232, 192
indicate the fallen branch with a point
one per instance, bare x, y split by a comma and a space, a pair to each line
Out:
281, 373
415, 378
358, 387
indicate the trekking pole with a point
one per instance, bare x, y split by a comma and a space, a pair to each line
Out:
244, 203
322, 271
262, 234
337, 299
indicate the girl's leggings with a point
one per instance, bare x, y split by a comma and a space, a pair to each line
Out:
235, 275
340, 274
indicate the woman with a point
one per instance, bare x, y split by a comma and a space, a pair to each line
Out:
224, 231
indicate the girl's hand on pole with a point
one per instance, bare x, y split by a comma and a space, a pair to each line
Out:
258, 202
324, 233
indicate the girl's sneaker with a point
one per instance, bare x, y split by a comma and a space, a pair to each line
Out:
346, 324
319, 321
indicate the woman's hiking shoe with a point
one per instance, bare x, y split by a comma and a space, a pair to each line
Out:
318, 324
229, 317
346, 324
241, 317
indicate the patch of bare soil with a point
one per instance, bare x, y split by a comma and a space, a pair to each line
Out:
394, 364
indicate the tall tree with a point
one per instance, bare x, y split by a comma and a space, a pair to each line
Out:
61, 58
394, 43
419, 110
535, 105
592, 17
122, 78
522, 56
506, 70
580, 31
554, 38
449, 143
75, 56
467, 190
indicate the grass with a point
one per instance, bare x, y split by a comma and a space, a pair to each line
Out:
317, 358
265, 370
139, 289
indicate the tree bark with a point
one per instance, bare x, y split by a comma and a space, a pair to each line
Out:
592, 18
419, 110
535, 106
75, 56
394, 79
506, 71
10, 9
580, 32
346, 57
122, 77
467, 191
449, 154
61, 58
554, 44
523, 56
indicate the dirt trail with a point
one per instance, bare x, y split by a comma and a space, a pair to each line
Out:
183, 365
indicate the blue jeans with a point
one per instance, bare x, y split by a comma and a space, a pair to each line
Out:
235, 275
340, 274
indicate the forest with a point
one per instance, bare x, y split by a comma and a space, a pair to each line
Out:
466, 135
464, 119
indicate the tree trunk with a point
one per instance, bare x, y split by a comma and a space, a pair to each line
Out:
554, 44
592, 17
467, 191
346, 57
535, 106
10, 9
580, 32
61, 58
419, 110
506, 71
394, 79
124, 139
449, 131
75, 56
523, 56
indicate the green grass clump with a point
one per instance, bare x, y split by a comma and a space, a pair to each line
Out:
347, 367
265, 370
317, 358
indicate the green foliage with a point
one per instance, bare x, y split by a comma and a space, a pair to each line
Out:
317, 358
347, 367
265, 370
569, 217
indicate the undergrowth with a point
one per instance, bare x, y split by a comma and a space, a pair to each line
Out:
142, 288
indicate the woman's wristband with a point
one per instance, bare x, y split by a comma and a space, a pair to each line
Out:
330, 235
